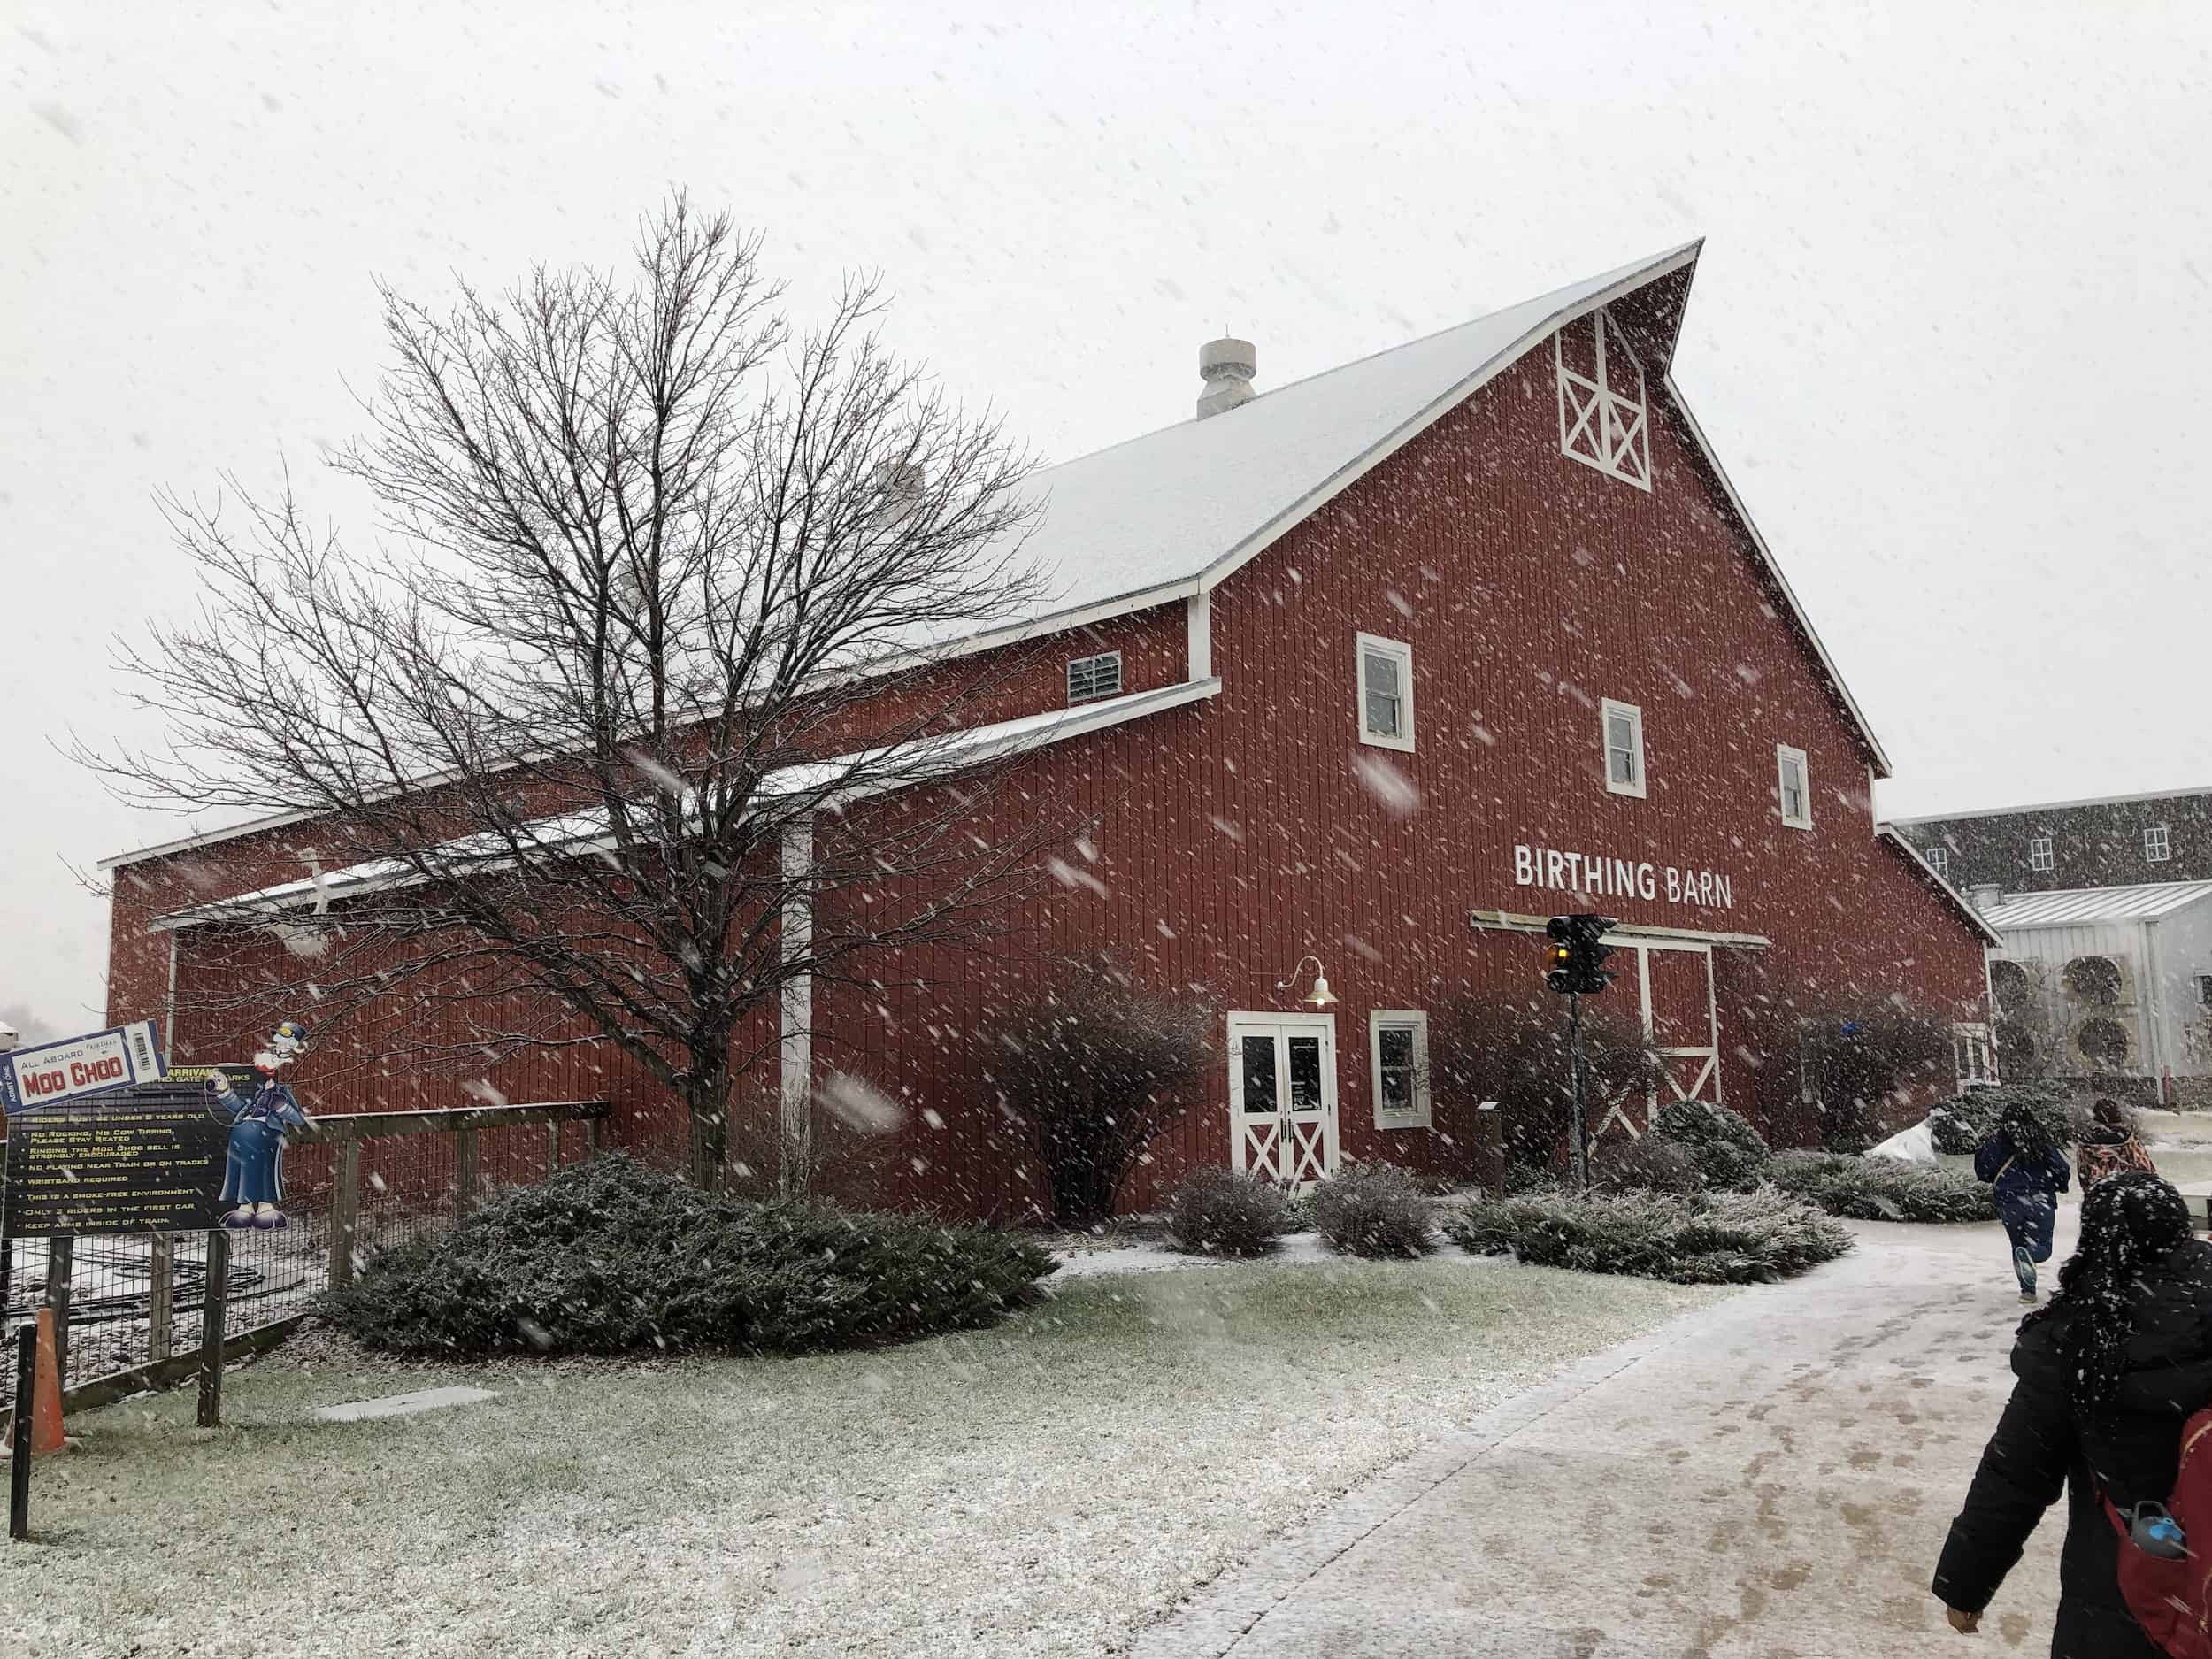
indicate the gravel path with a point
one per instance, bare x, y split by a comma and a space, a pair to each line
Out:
1042, 1489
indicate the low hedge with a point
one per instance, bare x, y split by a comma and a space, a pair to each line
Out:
1960, 1125
1881, 1189
1372, 1210
1646, 1164
1698, 1238
1731, 1156
1227, 1213
610, 1257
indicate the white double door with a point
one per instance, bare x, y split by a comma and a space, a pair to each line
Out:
1282, 1096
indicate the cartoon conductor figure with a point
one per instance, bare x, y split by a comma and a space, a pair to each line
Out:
253, 1172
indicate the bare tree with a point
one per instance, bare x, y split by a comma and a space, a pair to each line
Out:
1097, 1067
636, 718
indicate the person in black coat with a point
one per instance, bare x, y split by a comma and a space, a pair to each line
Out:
2109, 1370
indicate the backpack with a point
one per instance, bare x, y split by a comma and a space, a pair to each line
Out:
2172, 1600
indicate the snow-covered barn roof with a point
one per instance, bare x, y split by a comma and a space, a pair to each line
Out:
1176, 512
581, 832
2144, 902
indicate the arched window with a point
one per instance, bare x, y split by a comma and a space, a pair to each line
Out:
2102, 1041
2093, 979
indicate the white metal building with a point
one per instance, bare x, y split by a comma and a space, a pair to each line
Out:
2101, 982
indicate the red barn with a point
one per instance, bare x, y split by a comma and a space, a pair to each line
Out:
1377, 669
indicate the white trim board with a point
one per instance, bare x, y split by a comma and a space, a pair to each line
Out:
1513, 921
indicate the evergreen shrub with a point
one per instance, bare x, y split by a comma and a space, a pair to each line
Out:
1881, 1189
1693, 1238
1372, 1210
1651, 1163
1227, 1213
610, 1257
1730, 1155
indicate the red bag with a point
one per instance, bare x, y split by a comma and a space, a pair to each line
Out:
2172, 1600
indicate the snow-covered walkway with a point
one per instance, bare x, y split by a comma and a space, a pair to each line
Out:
1771, 1477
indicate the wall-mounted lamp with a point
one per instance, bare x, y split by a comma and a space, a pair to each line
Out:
1320, 996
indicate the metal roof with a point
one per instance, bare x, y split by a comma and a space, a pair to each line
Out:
2144, 902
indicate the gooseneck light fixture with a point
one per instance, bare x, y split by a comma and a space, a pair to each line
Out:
1320, 996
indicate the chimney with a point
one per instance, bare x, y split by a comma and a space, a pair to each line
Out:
1987, 896
1226, 366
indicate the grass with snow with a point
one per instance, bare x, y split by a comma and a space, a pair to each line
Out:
1039, 1488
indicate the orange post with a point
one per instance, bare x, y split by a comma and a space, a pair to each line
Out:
46, 1435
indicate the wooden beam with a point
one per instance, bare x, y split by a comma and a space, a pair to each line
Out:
344, 1126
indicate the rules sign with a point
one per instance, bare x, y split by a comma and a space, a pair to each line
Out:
142, 1160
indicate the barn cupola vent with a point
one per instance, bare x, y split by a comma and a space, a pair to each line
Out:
1227, 366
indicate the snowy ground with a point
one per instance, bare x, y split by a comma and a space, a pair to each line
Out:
1039, 1489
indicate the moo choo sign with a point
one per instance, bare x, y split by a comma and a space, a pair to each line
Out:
49, 1072
1603, 877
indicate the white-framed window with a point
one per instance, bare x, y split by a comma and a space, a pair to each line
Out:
1090, 677
1795, 784
1603, 418
1939, 860
1385, 692
1398, 1065
2039, 854
2156, 850
1624, 727
1971, 1059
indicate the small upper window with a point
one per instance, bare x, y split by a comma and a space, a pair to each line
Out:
1797, 799
2039, 855
2156, 849
1090, 677
1603, 418
1624, 747
1385, 692
1938, 861
1397, 1046
2204, 989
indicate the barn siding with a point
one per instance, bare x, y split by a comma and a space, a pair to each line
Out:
1235, 835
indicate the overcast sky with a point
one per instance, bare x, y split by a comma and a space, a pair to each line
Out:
1951, 334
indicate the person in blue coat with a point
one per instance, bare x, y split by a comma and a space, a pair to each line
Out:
2029, 1170
253, 1165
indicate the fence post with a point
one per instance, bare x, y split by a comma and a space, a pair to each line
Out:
596, 1133
463, 1172
553, 1149
214, 1304
161, 1298
61, 1254
345, 1213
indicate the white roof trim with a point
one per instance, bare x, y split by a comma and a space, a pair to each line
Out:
1884, 831
582, 831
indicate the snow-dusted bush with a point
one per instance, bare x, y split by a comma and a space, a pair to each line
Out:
610, 1257
1860, 1060
1373, 1210
1699, 1238
1730, 1155
1514, 1050
1960, 1125
1651, 1163
1227, 1213
1098, 1066
1881, 1189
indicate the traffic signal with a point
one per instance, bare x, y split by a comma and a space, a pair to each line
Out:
1577, 955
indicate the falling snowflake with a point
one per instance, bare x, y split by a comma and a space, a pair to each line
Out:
1390, 787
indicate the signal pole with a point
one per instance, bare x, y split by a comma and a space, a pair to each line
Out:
1576, 970
1582, 1121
